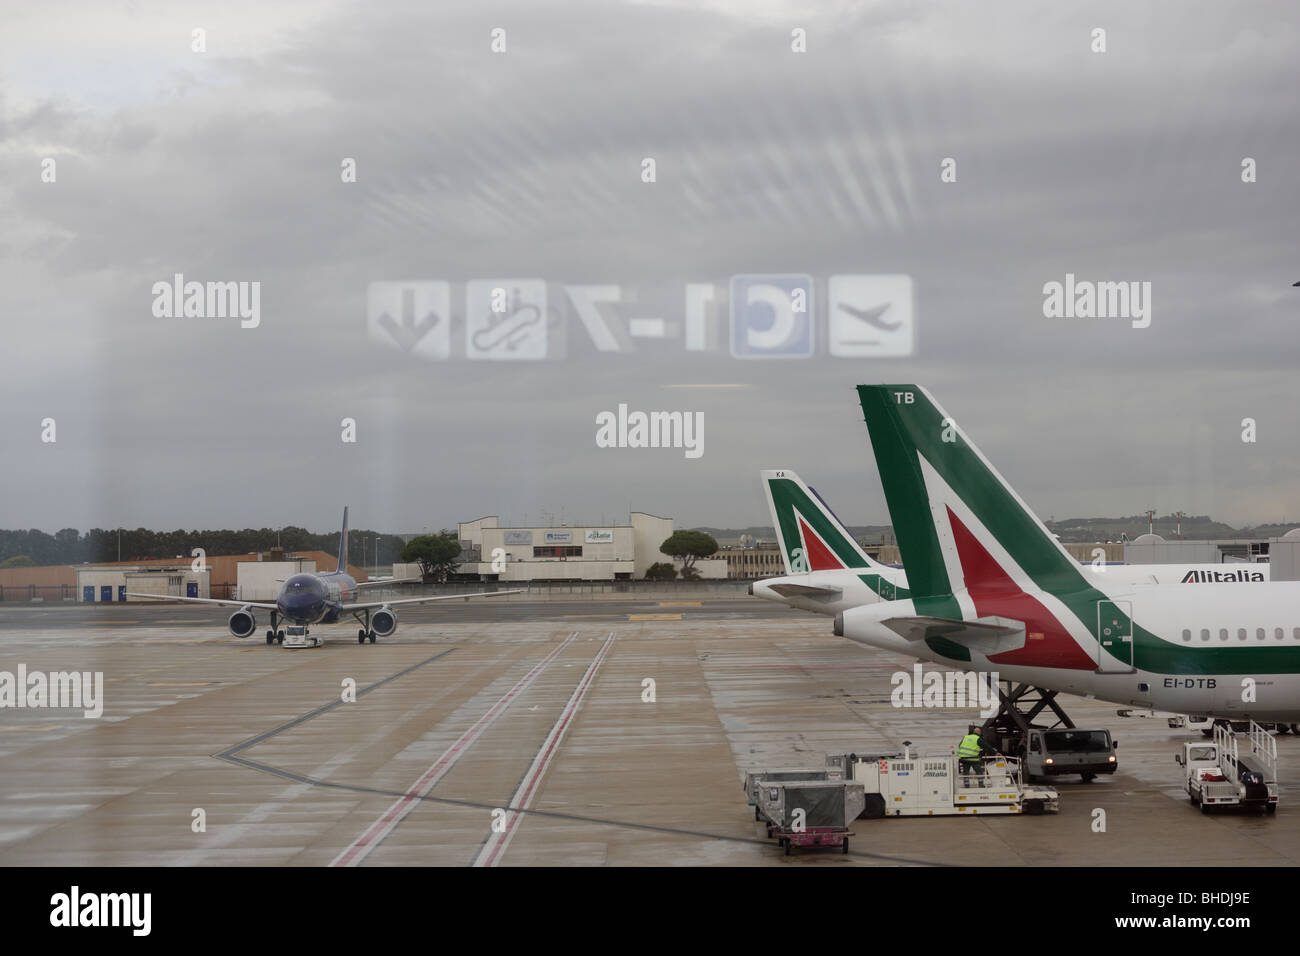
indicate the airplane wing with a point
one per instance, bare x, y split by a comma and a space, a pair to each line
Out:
807, 590
986, 635
427, 600
172, 597
381, 582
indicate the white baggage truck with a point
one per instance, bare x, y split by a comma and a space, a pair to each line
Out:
908, 785
1232, 770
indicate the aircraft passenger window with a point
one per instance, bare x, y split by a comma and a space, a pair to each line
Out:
1187, 635
1223, 633
1277, 633
1205, 633
1241, 633
1259, 633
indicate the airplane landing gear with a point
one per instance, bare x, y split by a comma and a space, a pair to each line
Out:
365, 631
270, 637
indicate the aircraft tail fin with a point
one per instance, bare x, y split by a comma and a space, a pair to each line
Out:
343, 543
809, 535
959, 524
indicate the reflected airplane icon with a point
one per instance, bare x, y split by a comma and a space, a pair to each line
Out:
872, 316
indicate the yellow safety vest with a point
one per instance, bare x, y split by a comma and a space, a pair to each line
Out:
969, 748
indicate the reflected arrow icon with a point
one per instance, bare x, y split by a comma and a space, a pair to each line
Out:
409, 332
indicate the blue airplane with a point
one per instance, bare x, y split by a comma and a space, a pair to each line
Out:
320, 597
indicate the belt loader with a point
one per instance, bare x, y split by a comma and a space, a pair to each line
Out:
1232, 771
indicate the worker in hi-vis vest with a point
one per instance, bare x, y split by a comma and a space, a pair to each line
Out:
969, 752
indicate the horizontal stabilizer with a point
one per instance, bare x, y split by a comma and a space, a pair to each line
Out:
807, 591
985, 635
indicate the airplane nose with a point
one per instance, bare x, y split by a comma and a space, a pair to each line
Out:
839, 624
300, 606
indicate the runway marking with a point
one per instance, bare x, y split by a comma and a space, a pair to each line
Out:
194, 683
375, 834
654, 617
680, 603
233, 753
29, 727
233, 756
553, 814
497, 842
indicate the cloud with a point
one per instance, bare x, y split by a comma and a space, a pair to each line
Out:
225, 166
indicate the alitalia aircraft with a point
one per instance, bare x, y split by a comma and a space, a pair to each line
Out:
990, 589
828, 572
319, 598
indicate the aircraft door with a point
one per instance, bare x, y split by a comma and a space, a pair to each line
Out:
1114, 637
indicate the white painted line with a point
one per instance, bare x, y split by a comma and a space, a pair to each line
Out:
495, 847
362, 846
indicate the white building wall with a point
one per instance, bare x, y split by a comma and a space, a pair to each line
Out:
261, 580
651, 531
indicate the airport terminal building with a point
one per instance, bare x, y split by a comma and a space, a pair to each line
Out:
571, 553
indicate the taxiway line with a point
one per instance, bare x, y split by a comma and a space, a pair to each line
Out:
495, 847
363, 845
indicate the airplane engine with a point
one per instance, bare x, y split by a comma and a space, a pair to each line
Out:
242, 623
383, 622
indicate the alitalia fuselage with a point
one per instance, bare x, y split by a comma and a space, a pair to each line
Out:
832, 592
1224, 651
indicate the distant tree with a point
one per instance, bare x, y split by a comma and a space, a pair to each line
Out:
436, 554
687, 546
660, 571
18, 561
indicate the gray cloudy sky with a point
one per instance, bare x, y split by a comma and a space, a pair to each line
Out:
225, 165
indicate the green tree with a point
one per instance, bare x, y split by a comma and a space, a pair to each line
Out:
437, 554
687, 547
660, 571
18, 561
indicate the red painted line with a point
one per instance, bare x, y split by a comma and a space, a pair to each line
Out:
404, 804
524, 796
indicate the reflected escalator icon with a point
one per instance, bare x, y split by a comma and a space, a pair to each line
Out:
505, 331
